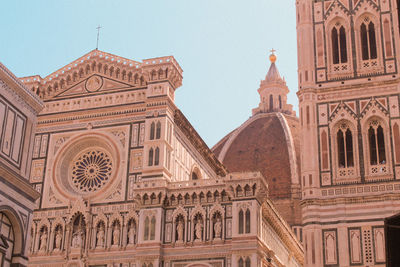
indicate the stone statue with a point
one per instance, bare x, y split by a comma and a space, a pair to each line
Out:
100, 237
179, 229
217, 228
116, 233
131, 234
199, 229
58, 239
77, 239
43, 241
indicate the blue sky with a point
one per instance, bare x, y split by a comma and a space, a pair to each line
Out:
222, 46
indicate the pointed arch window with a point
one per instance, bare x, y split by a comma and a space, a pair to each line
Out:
157, 156
368, 40
151, 152
248, 262
345, 147
152, 129
153, 228
241, 219
247, 221
339, 44
376, 141
158, 130
241, 262
146, 228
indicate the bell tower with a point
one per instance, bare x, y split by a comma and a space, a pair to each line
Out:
350, 138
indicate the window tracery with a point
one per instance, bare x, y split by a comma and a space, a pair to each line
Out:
345, 146
368, 39
339, 44
91, 170
244, 221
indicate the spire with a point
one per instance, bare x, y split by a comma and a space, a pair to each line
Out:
273, 91
273, 73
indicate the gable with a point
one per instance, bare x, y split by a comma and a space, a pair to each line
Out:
92, 84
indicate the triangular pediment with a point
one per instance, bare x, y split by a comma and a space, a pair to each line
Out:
98, 71
91, 85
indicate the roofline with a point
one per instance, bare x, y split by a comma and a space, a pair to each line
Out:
30, 98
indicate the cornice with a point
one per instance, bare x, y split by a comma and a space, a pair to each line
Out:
18, 181
184, 125
283, 230
20, 90
120, 67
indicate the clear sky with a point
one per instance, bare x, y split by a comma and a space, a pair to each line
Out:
222, 46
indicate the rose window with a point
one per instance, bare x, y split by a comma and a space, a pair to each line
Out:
91, 170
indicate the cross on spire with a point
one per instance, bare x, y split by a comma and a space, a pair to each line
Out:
98, 33
272, 51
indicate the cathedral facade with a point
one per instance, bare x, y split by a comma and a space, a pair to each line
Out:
349, 114
126, 181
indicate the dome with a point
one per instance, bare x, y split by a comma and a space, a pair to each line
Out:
269, 142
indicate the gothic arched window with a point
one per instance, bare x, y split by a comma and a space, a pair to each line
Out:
151, 152
153, 228
158, 130
146, 228
376, 141
248, 263
152, 129
241, 263
241, 219
345, 147
339, 44
368, 40
157, 156
247, 221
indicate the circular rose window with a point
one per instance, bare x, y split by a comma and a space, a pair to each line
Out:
91, 170
87, 165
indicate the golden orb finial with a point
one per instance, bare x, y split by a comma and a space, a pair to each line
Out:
272, 57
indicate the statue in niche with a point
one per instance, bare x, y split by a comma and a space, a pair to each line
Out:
217, 227
199, 228
116, 233
77, 239
58, 239
78, 234
131, 233
100, 236
43, 241
179, 230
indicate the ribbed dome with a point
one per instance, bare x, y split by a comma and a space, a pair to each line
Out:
269, 143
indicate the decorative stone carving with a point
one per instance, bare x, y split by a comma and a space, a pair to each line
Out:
180, 229
116, 234
100, 235
43, 240
199, 228
91, 170
217, 227
57, 240
131, 232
